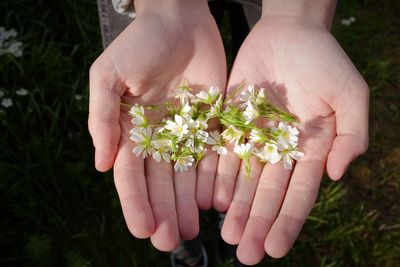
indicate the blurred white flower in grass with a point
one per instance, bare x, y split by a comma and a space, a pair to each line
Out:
183, 163
8, 43
78, 97
6, 102
22, 92
347, 22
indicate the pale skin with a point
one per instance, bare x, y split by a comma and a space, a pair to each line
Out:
290, 52
168, 42
307, 73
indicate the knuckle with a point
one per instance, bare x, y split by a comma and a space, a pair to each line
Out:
306, 190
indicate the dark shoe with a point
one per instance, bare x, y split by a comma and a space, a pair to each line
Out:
227, 251
200, 261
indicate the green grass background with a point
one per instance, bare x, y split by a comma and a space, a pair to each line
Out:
56, 210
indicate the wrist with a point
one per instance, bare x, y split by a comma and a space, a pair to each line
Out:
318, 12
172, 8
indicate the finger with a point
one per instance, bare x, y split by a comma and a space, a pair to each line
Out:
238, 212
206, 171
131, 187
162, 199
299, 200
186, 205
268, 199
227, 170
351, 127
104, 110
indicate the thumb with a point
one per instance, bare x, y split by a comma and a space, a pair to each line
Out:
351, 127
104, 112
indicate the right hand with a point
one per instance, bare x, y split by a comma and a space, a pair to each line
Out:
168, 42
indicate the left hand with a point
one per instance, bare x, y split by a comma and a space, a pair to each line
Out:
306, 72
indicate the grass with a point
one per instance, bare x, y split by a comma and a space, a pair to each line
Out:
57, 210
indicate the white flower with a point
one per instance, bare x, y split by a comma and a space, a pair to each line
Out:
216, 108
189, 142
257, 136
185, 109
221, 150
23, 92
250, 113
8, 43
15, 49
77, 97
345, 22
197, 149
142, 139
177, 127
4, 35
287, 135
202, 124
233, 134
136, 110
183, 163
202, 135
208, 97
269, 153
243, 150
1, 93
215, 139
161, 150
248, 95
183, 94
288, 155
195, 125
138, 117
260, 96
349, 21
6, 102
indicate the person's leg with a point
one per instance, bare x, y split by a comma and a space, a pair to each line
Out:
239, 26
243, 15
252, 10
111, 22
217, 8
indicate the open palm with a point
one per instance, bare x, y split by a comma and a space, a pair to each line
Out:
305, 72
144, 65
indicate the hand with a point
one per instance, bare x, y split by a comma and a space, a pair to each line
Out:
168, 42
305, 72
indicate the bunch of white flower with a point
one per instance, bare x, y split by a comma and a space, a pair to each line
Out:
182, 136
